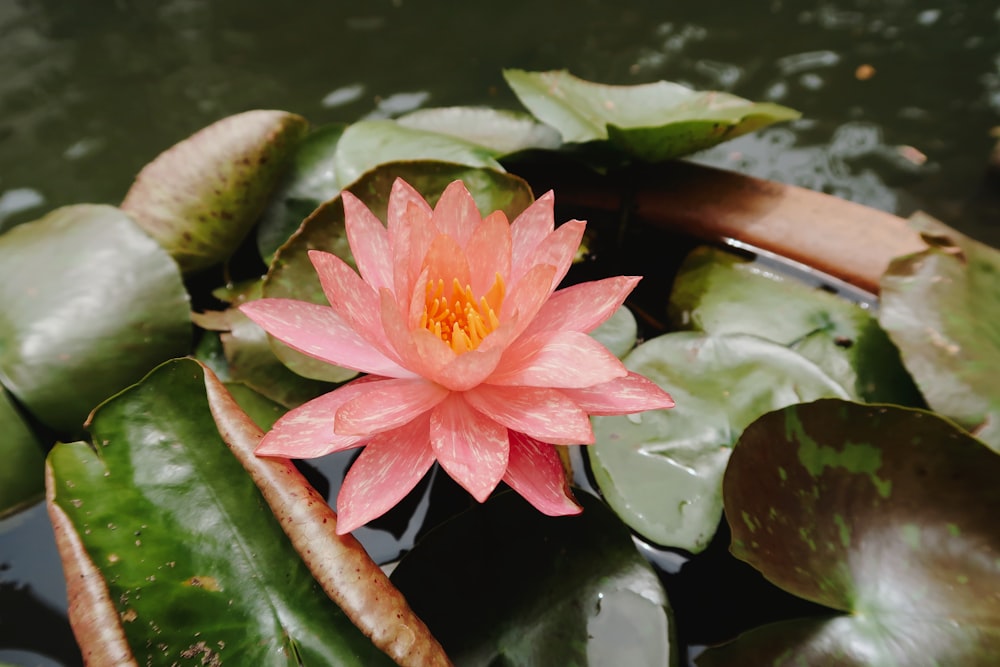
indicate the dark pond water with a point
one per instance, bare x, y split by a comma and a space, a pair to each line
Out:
900, 102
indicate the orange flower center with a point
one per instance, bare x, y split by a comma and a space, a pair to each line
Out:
458, 318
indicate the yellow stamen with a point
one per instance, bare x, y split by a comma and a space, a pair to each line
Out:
466, 321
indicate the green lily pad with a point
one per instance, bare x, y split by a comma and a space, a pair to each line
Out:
22, 478
942, 308
200, 197
292, 274
88, 304
548, 591
884, 512
652, 122
618, 333
719, 293
661, 470
194, 564
501, 131
369, 143
312, 179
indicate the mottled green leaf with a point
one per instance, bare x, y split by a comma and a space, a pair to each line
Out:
200, 197
719, 293
942, 308
369, 143
661, 470
196, 568
311, 180
88, 304
22, 480
880, 511
568, 591
292, 274
501, 131
652, 122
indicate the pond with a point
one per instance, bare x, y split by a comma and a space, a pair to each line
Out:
900, 103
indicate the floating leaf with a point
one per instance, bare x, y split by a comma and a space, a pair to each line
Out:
501, 131
618, 333
293, 276
311, 181
661, 470
22, 479
200, 197
653, 122
550, 591
88, 304
720, 293
884, 512
942, 308
369, 143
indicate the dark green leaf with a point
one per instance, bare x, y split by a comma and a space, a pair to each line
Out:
292, 274
661, 470
719, 293
311, 180
942, 308
502, 584
88, 304
884, 512
653, 122
196, 567
501, 131
200, 197
22, 479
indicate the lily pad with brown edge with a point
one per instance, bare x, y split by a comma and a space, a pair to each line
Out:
311, 180
88, 304
500, 130
292, 274
652, 122
885, 513
720, 293
941, 307
175, 557
369, 143
661, 470
548, 590
201, 197
22, 478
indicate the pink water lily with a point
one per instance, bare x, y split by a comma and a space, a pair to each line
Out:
473, 359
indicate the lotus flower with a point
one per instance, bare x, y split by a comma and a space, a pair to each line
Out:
473, 359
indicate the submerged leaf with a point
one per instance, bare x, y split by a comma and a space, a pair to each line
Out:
661, 471
653, 122
548, 591
884, 512
200, 197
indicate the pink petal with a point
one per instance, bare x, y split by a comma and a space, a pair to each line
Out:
557, 359
632, 393
387, 405
542, 413
445, 260
307, 431
470, 447
585, 306
412, 241
422, 355
488, 252
469, 369
401, 197
353, 299
369, 242
528, 230
456, 214
388, 469
321, 333
534, 471
557, 249
526, 298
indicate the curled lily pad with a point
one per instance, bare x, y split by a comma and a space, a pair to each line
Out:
942, 308
549, 591
292, 274
661, 470
22, 480
200, 197
652, 122
719, 293
88, 304
883, 512
499, 130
